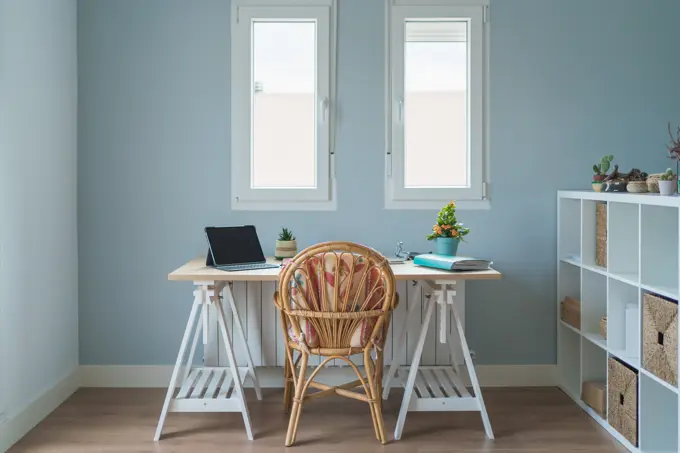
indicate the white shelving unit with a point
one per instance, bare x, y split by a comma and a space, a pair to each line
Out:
643, 238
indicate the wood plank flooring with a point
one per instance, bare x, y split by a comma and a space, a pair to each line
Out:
536, 420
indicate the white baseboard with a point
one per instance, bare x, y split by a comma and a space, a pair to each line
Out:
19, 425
147, 376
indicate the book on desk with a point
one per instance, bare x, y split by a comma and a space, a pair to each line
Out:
452, 263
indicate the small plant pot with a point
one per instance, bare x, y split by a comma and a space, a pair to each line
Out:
285, 249
667, 187
597, 186
598, 178
446, 246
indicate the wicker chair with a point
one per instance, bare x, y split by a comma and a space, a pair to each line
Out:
335, 300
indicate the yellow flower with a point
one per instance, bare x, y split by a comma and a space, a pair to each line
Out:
452, 204
454, 233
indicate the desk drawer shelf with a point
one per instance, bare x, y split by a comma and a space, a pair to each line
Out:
643, 237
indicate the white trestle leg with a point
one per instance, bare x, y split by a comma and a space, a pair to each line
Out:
178, 366
207, 388
242, 338
408, 386
238, 385
398, 349
438, 388
471, 371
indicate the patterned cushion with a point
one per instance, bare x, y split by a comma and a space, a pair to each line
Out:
350, 283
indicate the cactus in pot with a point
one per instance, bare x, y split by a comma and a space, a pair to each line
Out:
286, 245
667, 185
602, 168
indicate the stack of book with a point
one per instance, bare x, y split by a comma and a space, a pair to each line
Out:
451, 263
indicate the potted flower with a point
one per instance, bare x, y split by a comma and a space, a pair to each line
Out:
286, 245
674, 149
600, 172
667, 184
447, 232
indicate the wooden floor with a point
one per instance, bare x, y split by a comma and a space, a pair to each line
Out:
123, 420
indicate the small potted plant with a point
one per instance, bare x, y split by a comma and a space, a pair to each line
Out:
674, 149
286, 245
600, 171
447, 232
667, 184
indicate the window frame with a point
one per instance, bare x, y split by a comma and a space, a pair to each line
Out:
476, 13
244, 196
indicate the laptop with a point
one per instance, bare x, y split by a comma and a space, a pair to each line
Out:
235, 249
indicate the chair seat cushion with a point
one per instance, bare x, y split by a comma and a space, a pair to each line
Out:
359, 338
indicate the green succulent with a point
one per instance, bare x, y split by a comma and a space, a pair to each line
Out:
286, 235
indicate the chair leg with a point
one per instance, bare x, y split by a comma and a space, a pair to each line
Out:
379, 377
374, 396
297, 402
288, 388
370, 372
288, 370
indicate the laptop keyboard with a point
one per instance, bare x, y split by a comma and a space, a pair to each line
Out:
247, 267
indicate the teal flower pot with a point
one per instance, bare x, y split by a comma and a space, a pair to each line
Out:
446, 246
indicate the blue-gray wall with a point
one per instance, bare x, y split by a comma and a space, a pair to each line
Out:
570, 81
38, 220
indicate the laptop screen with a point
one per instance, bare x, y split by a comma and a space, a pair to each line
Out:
234, 245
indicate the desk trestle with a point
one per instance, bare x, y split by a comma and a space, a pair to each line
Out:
436, 388
209, 389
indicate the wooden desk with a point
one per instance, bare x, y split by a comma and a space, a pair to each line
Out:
220, 389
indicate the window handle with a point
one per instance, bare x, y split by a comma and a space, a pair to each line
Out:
401, 110
324, 109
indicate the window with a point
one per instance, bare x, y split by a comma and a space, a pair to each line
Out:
436, 123
282, 105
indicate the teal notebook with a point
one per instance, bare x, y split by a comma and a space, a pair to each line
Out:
451, 263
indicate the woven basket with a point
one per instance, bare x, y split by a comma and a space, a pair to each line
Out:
601, 234
653, 182
637, 187
622, 400
603, 327
570, 312
660, 338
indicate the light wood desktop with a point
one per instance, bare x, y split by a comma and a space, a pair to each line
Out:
196, 270
220, 389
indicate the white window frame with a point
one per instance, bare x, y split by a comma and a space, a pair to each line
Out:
476, 12
244, 196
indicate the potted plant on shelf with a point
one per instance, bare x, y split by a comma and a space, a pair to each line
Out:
674, 150
286, 245
667, 184
600, 171
447, 232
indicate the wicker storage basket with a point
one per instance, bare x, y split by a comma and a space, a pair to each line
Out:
603, 327
570, 312
637, 187
622, 400
601, 234
660, 338
653, 182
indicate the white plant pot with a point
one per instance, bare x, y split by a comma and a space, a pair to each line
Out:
285, 249
667, 187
